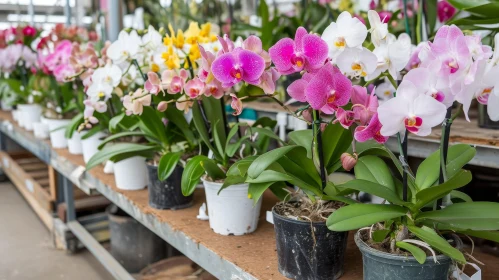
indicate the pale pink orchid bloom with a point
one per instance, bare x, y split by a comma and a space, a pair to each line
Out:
207, 59
328, 89
238, 65
134, 102
364, 105
345, 118
306, 52
215, 89
364, 133
477, 49
194, 88
153, 83
268, 80
417, 113
183, 104
414, 61
236, 104
172, 82
254, 44
63, 72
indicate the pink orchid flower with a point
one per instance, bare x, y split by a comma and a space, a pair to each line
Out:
254, 44
183, 104
63, 72
307, 52
238, 65
445, 11
134, 102
371, 131
153, 83
345, 118
227, 44
172, 82
207, 59
477, 49
268, 80
417, 113
364, 105
236, 104
414, 61
195, 87
215, 89
297, 88
328, 89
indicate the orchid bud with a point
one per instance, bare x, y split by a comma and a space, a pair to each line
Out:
162, 106
307, 115
348, 161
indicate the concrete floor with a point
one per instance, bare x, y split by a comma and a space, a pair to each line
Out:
26, 250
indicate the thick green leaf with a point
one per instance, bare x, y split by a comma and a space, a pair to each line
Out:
299, 157
429, 236
167, 164
458, 156
120, 135
465, 4
232, 148
428, 171
240, 167
177, 117
192, 173
91, 132
213, 170
431, 15
380, 235
199, 123
263, 161
230, 181
216, 114
460, 195
303, 138
73, 125
465, 216
418, 254
218, 141
150, 119
114, 150
359, 215
256, 190
374, 189
113, 123
374, 169
336, 141
489, 235
340, 198
276, 176
462, 178
299, 171
489, 10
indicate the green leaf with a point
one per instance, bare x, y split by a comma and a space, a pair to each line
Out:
230, 181
153, 124
359, 215
215, 113
429, 236
240, 167
298, 171
428, 171
192, 173
232, 148
374, 169
380, 235
464, 197
418, 254
276, 176
265, 122
177, 118
114, 150
91, 132
200, 125
113, 123
73, 125
256, 190
465, 216
489, 235
167, 165
431, 15
465, 4
212, 169
120, 135
302, 138
340, 198
218, 141
337, 140
374, 189
263, 161
462, 178
458, 156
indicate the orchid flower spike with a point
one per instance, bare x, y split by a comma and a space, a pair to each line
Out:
307, 52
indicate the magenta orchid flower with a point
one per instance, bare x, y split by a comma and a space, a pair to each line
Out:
371, 131
195, 87
254, 44
328, 89
417, 113
297, 88
345, 118
238, 65
364, 105
307, 52
445, 11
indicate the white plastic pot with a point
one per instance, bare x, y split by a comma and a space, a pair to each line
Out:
90, 144
30, 114
131, 173
5, 106
231, 212
41, 129
74, 144
15, 115
57, 131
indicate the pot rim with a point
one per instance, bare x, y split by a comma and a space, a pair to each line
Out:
289, 220
220, 184
364, 248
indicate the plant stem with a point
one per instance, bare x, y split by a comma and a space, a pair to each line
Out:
201, 108
444, 146
224, 116
394, 83
318, 133
419, 27
134, 61
406, 19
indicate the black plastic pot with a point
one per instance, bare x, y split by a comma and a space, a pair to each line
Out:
167, 194
132, 244
304, 255
483, 118
381, 265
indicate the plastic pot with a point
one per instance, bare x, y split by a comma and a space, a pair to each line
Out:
231, 212
167, 194
131, 173
41, 129
30, 114
74, 144
397, 267
57, 131
306, 255
90, 145
132, 244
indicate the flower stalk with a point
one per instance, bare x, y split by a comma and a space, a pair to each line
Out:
318, 134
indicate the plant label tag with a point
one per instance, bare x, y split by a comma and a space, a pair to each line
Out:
77, 173
458, 274
5, 162
270, 217
29, 186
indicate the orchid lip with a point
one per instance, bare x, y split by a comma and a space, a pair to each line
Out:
413, 123
439, 96
236, 73
298, 61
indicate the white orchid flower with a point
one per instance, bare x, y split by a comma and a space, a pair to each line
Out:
357, 62
393, 55
346, 32
110, 75
99, 92
126, 47
385, 91
379, 30
417, 113
152, 39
